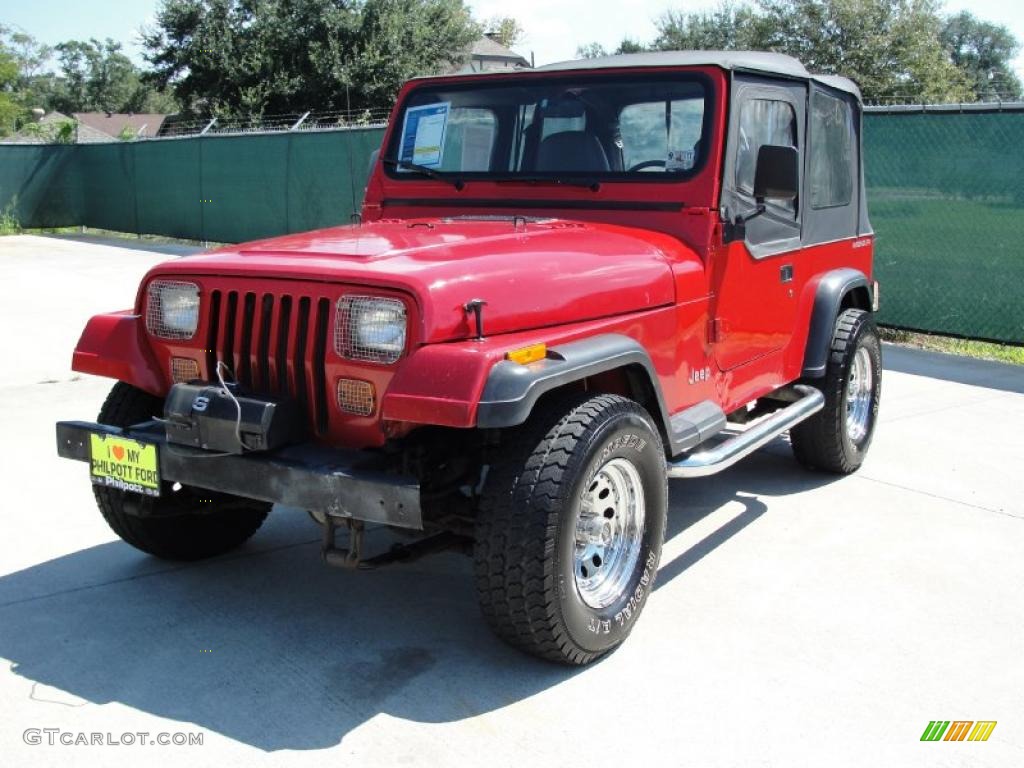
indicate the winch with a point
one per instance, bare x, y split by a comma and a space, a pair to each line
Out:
228, 420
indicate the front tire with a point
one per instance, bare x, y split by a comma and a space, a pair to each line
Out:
837, 438
570, 528
183, 524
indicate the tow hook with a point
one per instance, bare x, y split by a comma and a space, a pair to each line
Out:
350, 558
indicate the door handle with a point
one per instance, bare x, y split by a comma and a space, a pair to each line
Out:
786, 273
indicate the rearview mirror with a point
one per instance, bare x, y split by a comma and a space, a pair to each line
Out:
777, 175
568, 105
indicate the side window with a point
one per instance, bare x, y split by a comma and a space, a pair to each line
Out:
469, 140
830, 158
762, 122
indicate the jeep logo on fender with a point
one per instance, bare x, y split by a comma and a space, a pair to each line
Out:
698, 375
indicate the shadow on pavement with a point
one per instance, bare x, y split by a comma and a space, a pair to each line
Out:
767, 474
961, 370
271, 648
133, 244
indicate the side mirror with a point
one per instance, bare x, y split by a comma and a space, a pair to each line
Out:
777, 175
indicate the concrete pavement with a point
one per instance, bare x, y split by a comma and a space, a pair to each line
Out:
798, 619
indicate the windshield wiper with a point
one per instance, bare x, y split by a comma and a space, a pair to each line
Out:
423, 170
592, 184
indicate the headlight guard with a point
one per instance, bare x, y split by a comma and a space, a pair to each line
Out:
370, 328
172, 309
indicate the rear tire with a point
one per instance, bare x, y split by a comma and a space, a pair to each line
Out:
570, 528
187, 524
837, 438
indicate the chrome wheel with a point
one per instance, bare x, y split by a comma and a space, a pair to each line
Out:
859, 393
609, 533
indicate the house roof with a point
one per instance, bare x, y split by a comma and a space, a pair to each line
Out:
488, 47
488, 55
145, 125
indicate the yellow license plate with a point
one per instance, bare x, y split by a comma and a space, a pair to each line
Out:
124, 464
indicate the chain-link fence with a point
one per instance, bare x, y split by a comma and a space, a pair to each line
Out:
945, 191
297, 121
946, 197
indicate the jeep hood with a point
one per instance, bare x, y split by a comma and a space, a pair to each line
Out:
531, 273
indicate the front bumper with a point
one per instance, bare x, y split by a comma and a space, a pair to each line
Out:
334, 481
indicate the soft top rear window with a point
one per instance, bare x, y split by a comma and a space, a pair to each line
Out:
602, 128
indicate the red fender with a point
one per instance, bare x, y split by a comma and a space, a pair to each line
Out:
114, 345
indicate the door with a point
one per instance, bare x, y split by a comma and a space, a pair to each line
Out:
755, 302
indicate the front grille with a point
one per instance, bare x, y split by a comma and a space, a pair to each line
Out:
274, 344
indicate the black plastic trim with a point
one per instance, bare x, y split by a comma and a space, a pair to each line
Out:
696, 424
827, 301
307, 476
512, 390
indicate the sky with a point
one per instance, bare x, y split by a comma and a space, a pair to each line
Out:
554, 28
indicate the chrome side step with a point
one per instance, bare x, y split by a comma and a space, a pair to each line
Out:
725, 454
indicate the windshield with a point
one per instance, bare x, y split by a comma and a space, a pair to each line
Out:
637, 127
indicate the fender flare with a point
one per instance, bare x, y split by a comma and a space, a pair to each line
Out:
512, 390
831, 290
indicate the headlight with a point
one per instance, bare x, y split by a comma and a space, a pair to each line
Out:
370, 328
172, 309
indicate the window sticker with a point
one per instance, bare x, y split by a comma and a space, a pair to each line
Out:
680, 160
423, 134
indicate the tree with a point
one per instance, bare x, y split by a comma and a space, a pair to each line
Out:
983, 52
97, 77
33, 85
505, 30
629, 45
591, 51
596, 50
727, 27
10, 109
249, 58
892, 48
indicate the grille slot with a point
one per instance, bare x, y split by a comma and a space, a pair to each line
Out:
263, 349
323, 308
274, 344
244, 368
281, 358
299, 353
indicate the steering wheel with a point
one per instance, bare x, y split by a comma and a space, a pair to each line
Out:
646, 164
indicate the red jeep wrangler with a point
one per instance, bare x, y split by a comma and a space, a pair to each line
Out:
566, 286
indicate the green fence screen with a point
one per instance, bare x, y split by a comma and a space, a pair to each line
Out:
946, 197
219, 188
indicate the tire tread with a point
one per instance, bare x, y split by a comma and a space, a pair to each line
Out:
517, 524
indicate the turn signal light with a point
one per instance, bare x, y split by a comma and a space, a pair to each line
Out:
530, 354
355, 396
184, 369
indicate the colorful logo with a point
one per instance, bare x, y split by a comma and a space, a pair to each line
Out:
958, 730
